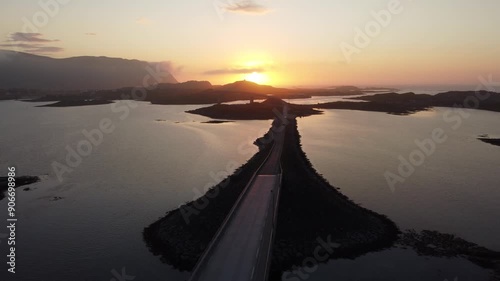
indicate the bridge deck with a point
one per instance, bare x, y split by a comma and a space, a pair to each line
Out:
235, 256
241, 250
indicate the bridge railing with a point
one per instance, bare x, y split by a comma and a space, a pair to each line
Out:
269, 232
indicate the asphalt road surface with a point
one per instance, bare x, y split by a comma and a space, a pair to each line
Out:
237, 253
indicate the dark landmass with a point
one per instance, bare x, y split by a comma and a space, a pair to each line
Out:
311, 208
379, 89
433, 243
346, 91
217, 122
490, 141
251, 87
253, 111
210, 96
335, 91
191, 92
387, 107
408, 103
27, 94
306, 201
70, 103
201, 93
23, 70
331, 93
188, 85
45, 96
391, 103
483, 100
20, 181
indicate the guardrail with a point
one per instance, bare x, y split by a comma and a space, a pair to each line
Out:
274, 220
271, 219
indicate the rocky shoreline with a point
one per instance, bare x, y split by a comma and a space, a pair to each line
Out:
20, 181
436, 244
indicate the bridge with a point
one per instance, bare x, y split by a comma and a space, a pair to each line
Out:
241, 249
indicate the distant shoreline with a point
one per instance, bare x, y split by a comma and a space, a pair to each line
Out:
74, 103
390, 103
491, 141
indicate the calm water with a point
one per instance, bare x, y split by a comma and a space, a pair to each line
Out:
454, 191
155, 157
140, 171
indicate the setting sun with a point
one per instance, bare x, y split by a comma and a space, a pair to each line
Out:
257, 77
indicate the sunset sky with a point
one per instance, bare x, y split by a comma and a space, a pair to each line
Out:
278, 42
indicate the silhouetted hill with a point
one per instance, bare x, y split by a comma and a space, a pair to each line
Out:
251, 87
254, 111
403, 104
346, 91
395, 97
189, 85
482, 99
188, 96
202, 92
22, 70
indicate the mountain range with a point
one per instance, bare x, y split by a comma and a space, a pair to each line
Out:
23, 70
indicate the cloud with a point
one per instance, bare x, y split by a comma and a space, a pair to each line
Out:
168, 66
246, 7
34, 48
28, 37
143, 21
234, 71
31, 43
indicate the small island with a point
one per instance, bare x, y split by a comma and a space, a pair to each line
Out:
409, 103
266, 110
72, 103
489, 140
217, 122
